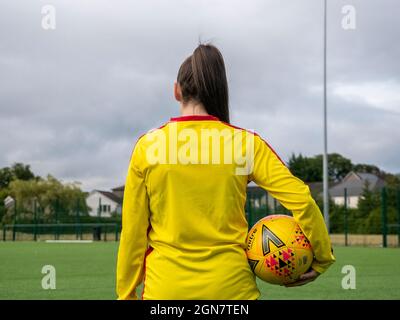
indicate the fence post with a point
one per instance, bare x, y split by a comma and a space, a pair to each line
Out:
99, 211
15, 218
346, 230
39, 213
398, 216
55, 218
384, 216
4, 233
77, 219
35, 221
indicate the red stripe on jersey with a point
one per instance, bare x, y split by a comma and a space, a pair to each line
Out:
148, 251
195, 117
257, 135
210, 117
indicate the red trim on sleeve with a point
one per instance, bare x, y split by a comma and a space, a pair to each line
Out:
257, 135
148, 229
273, 151
213, 118
148, 251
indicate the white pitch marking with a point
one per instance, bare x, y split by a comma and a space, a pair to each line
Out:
69, 241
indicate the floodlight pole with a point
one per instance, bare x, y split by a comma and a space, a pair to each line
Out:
325, 156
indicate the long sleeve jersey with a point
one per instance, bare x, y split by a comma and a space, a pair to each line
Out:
183, 221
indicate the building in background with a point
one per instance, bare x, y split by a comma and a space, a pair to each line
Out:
355, 183
104, 203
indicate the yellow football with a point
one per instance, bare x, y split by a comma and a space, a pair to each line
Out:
277, 250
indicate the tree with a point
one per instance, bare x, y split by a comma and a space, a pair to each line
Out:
297, 166
3, 195
55, 201
392, 181
367, 168
307, 169
6, 176
373, 223
339, 166
310, 168
18, 171
22, 172
368, 201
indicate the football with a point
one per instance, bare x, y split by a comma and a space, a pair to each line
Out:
277, 250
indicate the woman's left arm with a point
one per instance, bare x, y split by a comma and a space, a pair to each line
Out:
271, 173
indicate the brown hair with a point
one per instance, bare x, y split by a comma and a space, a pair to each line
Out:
202, 78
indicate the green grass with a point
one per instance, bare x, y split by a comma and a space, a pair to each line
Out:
87, 271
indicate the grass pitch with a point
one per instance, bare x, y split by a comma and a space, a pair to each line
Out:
87, 271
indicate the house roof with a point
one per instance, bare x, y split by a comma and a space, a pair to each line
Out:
111, 196
355, 184
120, 188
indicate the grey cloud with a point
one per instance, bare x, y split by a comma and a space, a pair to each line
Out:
74, 100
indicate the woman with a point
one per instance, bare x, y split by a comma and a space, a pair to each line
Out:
183, 222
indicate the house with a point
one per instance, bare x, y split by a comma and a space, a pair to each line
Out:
103, 203
354, 183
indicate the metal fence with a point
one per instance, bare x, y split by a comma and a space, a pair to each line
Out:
372, 219
61, 231
30, 222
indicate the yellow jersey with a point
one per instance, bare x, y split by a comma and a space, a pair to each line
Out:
184, 227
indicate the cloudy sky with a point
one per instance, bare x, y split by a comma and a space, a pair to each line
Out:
73, 100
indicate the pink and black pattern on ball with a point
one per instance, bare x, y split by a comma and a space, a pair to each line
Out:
300, 238
282, 263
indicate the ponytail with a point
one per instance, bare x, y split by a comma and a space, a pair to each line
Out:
202, 77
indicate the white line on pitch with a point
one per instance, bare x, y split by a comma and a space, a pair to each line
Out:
69, 241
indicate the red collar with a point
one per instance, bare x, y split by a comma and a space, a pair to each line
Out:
195, 118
